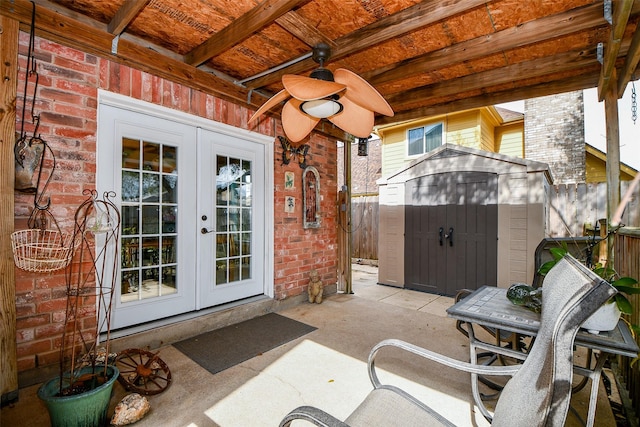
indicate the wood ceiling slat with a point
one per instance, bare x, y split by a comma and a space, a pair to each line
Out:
523, 70
524, 92
303, 30
621, 12
403, 22
95, 40
240, 29
631, 62
125, 14
526, 34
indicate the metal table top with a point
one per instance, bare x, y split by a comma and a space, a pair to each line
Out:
489, 306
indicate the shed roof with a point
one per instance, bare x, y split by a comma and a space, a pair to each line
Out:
463, 161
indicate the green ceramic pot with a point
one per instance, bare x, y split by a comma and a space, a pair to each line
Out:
87, 409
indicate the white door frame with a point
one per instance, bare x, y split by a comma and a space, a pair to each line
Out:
157, 111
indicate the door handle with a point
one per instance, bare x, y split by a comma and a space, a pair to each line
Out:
450, 236
441, 233
205, 231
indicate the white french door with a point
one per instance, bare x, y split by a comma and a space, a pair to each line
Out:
193, 205
151, 162
231, 196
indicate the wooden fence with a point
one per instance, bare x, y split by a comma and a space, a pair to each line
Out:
627, 263
573, 205
364, 227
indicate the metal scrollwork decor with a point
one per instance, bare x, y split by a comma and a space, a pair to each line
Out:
311, 197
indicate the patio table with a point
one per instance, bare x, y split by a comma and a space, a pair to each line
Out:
489, 307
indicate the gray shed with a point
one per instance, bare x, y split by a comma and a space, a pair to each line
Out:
460, 217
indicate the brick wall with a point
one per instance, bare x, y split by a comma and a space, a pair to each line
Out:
67, 103
554, 134
365, 170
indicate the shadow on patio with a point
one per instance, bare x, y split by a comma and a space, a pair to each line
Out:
326, 368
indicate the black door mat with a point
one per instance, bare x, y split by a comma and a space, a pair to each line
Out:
225, 347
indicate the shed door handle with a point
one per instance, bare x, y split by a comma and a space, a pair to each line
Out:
450, 236
441, 233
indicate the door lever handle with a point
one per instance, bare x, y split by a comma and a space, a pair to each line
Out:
450, 236
441, 233
205, 231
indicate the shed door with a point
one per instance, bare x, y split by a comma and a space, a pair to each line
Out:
451, 232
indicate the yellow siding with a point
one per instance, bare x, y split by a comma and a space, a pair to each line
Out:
596, 170
463, 129
479, 128
510, 140
394, 150
486, 141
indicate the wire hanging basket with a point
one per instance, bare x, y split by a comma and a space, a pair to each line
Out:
41, 251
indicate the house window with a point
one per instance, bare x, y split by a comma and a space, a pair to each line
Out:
424, 139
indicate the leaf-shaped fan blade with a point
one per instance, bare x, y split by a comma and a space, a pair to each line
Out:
354, 119
308, 89
275, 99
295, 123
361, 92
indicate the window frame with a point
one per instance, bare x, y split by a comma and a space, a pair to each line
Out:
425, 130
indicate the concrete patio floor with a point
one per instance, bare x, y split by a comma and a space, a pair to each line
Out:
326, 368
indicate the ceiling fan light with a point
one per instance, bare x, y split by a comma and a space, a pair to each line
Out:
321, 108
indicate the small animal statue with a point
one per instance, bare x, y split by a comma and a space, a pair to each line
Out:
315, 287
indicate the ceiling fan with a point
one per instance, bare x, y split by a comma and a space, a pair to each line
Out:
343, 98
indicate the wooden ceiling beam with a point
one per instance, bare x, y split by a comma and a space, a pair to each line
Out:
527, 33
564, 62
94, 39
294, 24
570, 84
240, 29
400, 23
621, 12
125, 14
630, 63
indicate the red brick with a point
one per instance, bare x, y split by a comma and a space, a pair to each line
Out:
77, 87
136, 84
146, 87
25, 335
26, 363
33, 347
157, 90
49, 358
31, 321
48, 331
125, 80
52, 306
57, 49
23, 284
75, 111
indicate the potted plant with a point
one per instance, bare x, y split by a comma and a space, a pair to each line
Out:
80, 395
606, 318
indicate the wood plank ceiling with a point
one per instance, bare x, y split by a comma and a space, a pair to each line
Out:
424, 57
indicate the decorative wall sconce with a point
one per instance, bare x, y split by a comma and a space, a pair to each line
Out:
290, 152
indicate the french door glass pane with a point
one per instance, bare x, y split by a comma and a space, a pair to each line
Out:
233, 220
149, 218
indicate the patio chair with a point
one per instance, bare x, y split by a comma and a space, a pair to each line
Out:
539, 391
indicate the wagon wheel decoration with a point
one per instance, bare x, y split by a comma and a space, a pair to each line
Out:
142, 371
